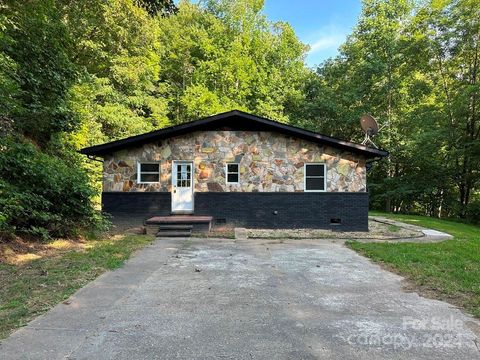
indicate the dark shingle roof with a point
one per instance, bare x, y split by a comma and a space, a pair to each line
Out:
234, 120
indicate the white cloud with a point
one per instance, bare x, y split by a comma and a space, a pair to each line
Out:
326, 41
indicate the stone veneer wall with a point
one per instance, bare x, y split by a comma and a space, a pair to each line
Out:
269, 162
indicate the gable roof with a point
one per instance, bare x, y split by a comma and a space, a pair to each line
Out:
230, 120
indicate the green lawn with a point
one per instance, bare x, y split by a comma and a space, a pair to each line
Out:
448, 270
32, 288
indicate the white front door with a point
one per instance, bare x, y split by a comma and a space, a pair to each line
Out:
182, 187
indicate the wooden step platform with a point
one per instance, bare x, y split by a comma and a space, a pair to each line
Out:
177, 225
179, 219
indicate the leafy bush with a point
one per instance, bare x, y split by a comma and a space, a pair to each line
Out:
42, 195
473, 212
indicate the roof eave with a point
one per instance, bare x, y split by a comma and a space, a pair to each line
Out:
107, 148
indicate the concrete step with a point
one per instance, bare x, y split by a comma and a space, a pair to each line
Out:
178, 222
175, 227
174, 233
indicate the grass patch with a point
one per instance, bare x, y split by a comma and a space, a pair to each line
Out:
30, 288
455, 228
216, 233
448, 270
393, 228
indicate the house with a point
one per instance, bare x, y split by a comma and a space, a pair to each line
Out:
236, 169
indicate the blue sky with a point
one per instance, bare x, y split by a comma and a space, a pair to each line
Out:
322, 24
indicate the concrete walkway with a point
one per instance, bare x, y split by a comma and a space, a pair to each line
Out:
426, 235
221, 299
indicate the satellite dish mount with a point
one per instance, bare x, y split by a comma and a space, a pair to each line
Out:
370, 128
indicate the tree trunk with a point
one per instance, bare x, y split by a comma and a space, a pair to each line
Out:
439, 214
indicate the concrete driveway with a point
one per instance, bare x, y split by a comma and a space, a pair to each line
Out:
212, 299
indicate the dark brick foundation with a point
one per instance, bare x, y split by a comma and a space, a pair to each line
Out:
131, 209
251, 210
286, 210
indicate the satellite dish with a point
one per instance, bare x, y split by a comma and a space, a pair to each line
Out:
369, 125
370, 128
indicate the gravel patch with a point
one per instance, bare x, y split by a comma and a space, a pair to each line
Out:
377, 230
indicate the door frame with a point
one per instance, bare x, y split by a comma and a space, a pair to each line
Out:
192, 186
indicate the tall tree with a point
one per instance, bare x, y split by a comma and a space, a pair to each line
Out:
158, 7
225, 54
117, 54
367, 77
43, 190
36, 71
416, 70
448, 33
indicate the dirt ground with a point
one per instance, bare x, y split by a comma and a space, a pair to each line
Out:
19, 251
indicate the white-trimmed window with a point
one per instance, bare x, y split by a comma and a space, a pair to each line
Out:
232, 172
148, 172
315, 177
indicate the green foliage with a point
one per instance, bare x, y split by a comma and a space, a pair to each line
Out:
72, 74
415, 67
117, 55
158, 7
40, 194
9, 87
225, 55
449, 35
36, 69
473, 212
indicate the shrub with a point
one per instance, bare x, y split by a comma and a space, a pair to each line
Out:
473, 212
42, 195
